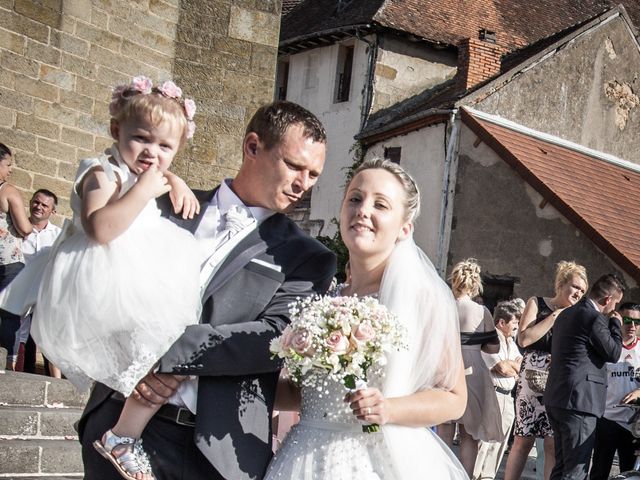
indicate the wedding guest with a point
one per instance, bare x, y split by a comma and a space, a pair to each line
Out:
14, 226
585, 338
481, 419
504, 367
534, 336
42, 206
613, 434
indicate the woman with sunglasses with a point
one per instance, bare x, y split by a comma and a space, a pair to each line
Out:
623, 386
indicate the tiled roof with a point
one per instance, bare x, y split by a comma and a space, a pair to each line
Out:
598, 193
517, 22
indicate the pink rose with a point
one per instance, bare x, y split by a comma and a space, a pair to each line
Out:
364, 332
301, 341
285, 338
189, 108
142, 84
337, 342
170, 89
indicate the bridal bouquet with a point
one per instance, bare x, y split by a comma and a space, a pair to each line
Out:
341, 338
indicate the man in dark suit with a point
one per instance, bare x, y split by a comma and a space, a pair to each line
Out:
584, 339
217, 423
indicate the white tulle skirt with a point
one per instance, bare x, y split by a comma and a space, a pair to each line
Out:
109, 312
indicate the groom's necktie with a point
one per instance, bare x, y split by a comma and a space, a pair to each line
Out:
235, 220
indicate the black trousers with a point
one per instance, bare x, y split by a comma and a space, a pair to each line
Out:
171, 448
611, 436
574, 435
9, 323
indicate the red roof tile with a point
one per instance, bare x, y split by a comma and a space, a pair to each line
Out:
516, 22
600, 197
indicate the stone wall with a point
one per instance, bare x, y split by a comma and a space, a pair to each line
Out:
60, 58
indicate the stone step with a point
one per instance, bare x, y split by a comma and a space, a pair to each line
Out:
17, 388
27, 422
40, 458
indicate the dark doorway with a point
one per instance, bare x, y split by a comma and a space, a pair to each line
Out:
497, 288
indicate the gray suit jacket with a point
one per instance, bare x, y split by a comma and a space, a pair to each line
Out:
583, 341
245, 306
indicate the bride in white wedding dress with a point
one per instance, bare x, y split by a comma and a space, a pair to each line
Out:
422, 386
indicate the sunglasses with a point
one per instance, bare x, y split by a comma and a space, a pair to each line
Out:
628, 320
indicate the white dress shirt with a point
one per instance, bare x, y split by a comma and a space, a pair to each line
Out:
38, 240
210, 228
508, 351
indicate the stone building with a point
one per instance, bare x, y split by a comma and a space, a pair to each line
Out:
60, 58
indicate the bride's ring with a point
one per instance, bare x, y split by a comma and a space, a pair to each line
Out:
368, 410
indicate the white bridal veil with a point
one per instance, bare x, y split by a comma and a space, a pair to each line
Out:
413, 290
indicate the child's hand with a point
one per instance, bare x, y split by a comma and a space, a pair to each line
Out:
182, 197
153, 183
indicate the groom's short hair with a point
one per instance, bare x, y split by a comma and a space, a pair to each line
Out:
270, 122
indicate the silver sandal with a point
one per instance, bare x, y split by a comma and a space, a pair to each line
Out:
133, 460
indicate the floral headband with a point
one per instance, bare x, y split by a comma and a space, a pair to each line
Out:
144, 85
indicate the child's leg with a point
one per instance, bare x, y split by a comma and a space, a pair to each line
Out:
133, 419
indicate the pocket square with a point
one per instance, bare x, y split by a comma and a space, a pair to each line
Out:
272, 266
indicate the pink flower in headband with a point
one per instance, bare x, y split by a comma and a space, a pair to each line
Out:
170, 89
189, 108
142, 84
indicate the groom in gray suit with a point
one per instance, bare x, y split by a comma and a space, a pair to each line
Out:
216, 424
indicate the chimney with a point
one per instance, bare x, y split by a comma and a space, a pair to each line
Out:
478, 59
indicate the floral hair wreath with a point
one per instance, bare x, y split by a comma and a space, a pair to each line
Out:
144, 85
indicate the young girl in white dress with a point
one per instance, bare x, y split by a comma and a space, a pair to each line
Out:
122, 285
422, 386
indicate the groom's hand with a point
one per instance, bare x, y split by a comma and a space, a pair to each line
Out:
155, 389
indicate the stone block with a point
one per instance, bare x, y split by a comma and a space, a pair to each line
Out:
62, 391
18, 422
93, 89
91, 124
66, 171
56, 150
53, 184
7, 118
36, 163
98, 36
55, 76
78, 8
263, 60
56, 422
19, 64
19, 140
18, 456
185, 51
38, 12
61, 456
7, 79
232, 45
55, 113
254, 26
69, 43
148, 38
269, 6
102, 143
12, 41
78, 65
244, 89
76, 101
43, 53
21, 389
77, 138
155, 24
37, 89
164, 10
24, 26
225, 61
21, 179
42, 128
195, 36
115, 61
146, 55
99, 18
